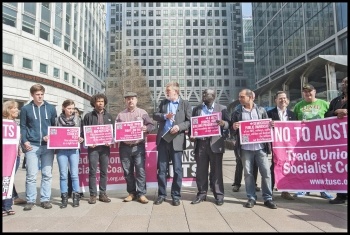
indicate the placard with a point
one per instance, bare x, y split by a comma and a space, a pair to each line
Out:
255, 131
98, 134
203, 126
63, 137
128, 131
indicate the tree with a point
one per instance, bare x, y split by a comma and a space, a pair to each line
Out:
127, 76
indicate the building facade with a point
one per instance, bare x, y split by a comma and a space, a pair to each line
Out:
59, 45
200, 45
290, 40
248, 46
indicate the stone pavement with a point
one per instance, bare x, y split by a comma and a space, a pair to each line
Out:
307, 214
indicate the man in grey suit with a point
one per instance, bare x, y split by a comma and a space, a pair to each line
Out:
210, 150
173, 116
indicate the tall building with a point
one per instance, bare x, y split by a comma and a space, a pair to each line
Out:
200, 45
297, 43
60, 45
248, 47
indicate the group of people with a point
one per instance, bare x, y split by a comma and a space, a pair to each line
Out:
174, 120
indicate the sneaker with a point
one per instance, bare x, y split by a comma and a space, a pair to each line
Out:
299, 194
46, 205
104, 198
250, 203
270, 204
286, 196
337, 200
143, 199
235, 188
92, 199
18, 201
130, 198
28, 206
326, 195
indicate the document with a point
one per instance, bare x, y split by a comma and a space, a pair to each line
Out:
168, 137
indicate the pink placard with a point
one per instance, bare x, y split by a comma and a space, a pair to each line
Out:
63, 137
202, 126
98, 134
128, 131
311, 155
255, 131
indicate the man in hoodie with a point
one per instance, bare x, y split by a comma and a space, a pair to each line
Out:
35, 118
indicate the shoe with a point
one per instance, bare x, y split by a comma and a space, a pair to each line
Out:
92, 199
129, 198
337, 200
8, 212
270, 204
28, 206
143, 199
198, 200
18, 201
159, 201
257, 189
176, 202
299, 194
219, 202
250, 203
326, 195
235, 188
104, 198
286, 196
81, 195
46, 205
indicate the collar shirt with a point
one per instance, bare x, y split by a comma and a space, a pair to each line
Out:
172, 107
206, 110
282, 114
251, 115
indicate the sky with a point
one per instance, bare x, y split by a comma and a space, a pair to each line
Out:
246, 8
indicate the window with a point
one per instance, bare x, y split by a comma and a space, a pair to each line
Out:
57, 38
56, 72
66, 76
9, 16
28, 64
79, 83
43, 68
7, 58
44, 32
66, 44
73, 82
28, 24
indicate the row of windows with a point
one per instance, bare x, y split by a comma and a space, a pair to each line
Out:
173, 51
177, 42
28, 64
175, 22
173, 4
190, 83
179, 13
181, 72
178, 62
179, 32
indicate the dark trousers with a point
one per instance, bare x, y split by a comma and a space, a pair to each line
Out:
239, 170
133, 161
205, 157
165, 153
99, 154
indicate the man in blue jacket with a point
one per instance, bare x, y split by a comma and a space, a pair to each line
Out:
35, 118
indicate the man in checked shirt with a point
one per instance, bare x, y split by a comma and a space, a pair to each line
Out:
132, 153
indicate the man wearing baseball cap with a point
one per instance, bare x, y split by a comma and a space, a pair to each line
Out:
307, 109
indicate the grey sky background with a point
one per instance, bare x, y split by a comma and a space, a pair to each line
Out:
247, 9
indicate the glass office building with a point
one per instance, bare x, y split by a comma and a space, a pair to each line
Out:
60, 45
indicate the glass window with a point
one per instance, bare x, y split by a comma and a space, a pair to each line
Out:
28, 24
7, 58
44, 32
56, 72
204, 82
57, 38
28, 64
43, 68
66, 44
66, 77
45, 12
73, 81
9, 16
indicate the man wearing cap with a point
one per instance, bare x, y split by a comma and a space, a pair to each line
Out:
132, 153
307, 109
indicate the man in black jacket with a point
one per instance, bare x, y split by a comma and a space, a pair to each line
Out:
98, 154
339, 107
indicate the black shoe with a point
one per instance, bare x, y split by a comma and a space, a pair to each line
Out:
46, 205
250, 203
28, 206
337, 200
219, 202
81, 195
159, 201
176, 202
198, 200
270, 204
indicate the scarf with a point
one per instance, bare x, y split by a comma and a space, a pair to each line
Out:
64, 121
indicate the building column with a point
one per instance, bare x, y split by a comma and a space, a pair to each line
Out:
331, 81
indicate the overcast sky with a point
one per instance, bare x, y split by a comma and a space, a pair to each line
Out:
247, 8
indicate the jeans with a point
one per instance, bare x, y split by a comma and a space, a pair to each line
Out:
134, 158
7, 203
99, 154
165, 153
260, 158
45, 156
71, 157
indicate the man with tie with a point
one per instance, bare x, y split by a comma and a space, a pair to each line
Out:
173, 116
210, 150
280, 113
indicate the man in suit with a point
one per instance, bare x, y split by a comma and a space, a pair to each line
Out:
174, 116
280, 113
339, 107
210, 150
